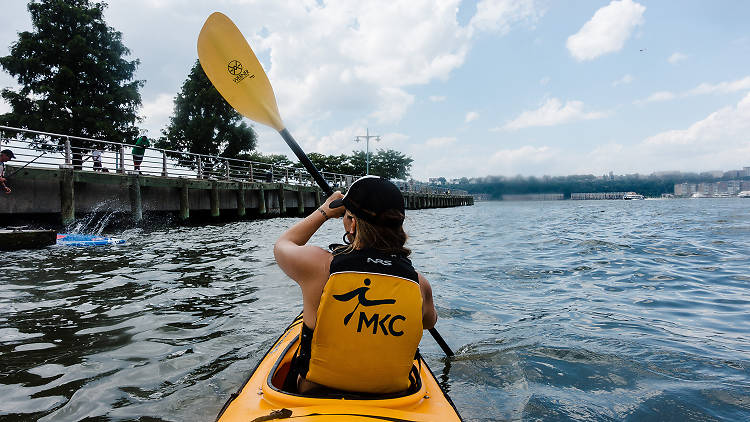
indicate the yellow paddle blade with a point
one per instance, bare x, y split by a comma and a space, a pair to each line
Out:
232, 67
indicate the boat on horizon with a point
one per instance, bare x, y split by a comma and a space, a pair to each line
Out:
632, 196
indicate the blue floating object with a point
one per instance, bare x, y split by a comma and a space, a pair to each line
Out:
69, 239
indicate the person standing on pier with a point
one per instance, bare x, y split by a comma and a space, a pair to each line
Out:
96, 156
5, 155
138, 150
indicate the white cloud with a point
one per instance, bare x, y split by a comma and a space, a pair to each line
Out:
471, 116
722, 87
718, 141
525, 153
626, 79
544, 81
522, 160
440, 142
725, 127
607, 31
553, 113
156, 113
339, 56
658, 96
437, 98
677, 57
501, 15
702, 89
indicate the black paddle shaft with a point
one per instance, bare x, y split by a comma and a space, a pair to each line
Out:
328, 191
306, 162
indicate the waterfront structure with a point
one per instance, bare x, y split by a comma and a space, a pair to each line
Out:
722, 188
685, 189
604, 195
184, 184
534, 197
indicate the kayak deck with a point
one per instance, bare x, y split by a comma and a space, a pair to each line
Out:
71, 239
262, 397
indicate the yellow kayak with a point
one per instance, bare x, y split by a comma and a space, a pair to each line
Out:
262, 397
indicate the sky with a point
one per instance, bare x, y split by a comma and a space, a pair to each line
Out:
471, 88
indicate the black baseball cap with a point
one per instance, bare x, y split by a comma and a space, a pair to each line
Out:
8, 152
369, 197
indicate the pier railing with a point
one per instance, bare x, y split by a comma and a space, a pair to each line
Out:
53, 150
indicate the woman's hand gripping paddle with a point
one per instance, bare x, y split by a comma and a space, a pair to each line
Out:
232, 67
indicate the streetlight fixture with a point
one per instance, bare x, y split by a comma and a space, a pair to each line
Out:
366, 138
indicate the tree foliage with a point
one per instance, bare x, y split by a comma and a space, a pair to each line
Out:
204, 123
389, 164
73, 75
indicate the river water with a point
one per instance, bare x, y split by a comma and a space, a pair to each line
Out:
566, 310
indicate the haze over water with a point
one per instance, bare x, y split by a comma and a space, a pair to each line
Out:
567, 310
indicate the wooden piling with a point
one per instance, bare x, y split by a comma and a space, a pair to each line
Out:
282, 201
300, 201
214, 199
184, 202
136, 206
241, 200
67, 196
261, 201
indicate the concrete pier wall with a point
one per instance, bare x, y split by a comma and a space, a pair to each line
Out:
48, 191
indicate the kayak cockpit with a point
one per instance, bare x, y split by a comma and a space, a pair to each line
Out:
280, 380
263, 396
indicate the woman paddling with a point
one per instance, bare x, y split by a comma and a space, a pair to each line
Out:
364, 305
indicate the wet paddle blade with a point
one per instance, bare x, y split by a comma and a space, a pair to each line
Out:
232, 67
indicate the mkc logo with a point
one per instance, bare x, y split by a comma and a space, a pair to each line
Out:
235, 69
375, 321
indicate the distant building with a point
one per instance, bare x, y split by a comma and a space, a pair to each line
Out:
706, 189
733, 187
746, 171
685, 189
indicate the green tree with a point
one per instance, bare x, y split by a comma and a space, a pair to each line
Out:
204, 123
358, 163
390, 164
280, 160
73, 75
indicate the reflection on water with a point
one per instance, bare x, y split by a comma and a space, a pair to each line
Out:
601, 310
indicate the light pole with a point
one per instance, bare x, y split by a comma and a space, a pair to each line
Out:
366, 138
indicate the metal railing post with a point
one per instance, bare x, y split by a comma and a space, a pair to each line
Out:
226, 173
251, 172
200, 168
272, 177
286, 175
163, 163
121, 166
68, 152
